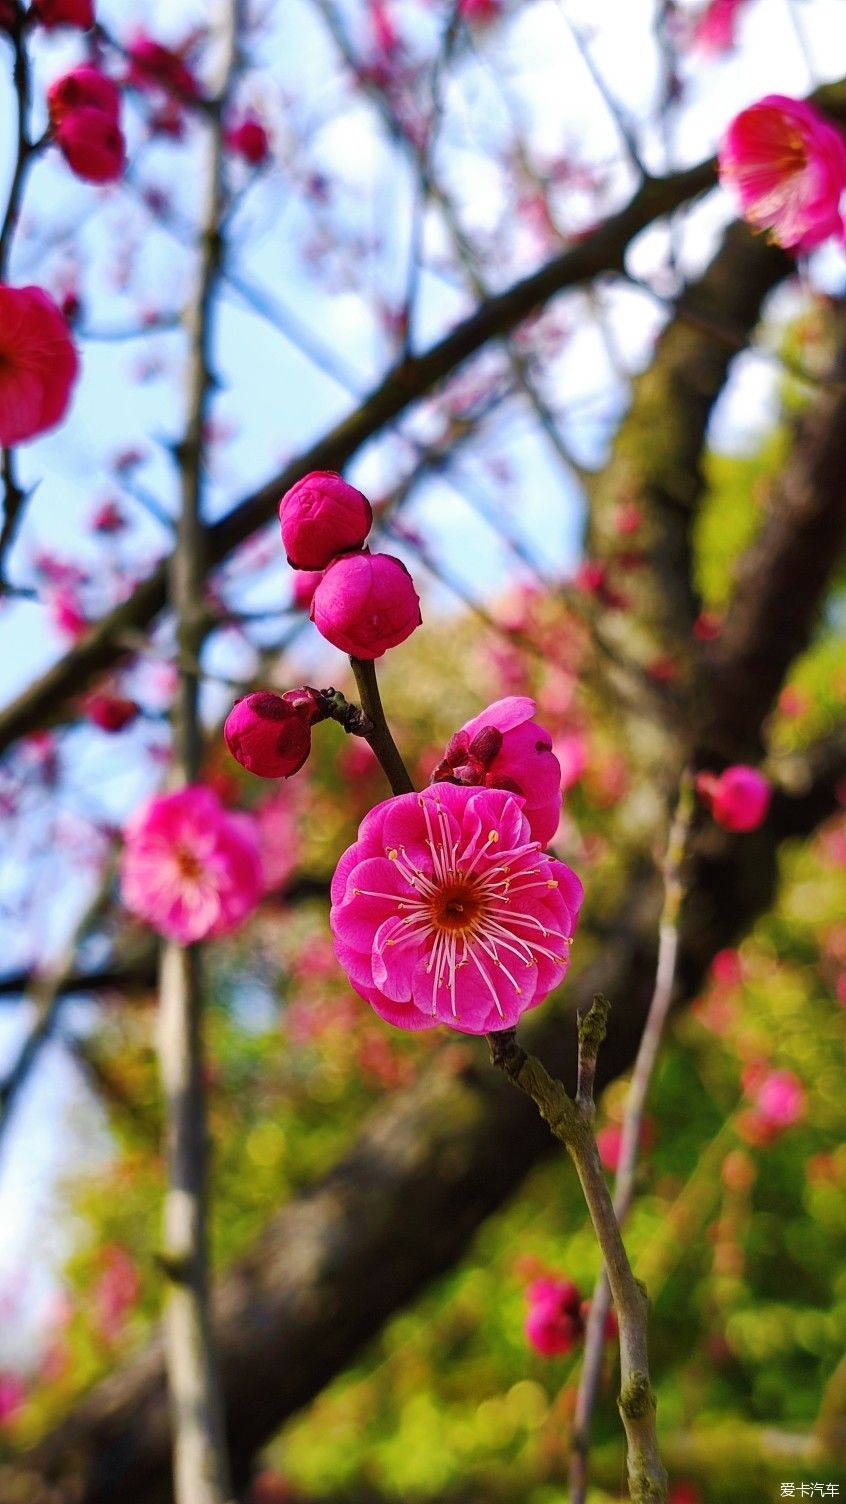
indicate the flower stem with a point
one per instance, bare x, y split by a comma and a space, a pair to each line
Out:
571, 1122
668, 944
379, 736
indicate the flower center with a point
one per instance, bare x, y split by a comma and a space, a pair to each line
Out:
189, 865
456, 907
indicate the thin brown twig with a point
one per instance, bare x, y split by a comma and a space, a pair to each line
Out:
379, 736
46, 992
668, 945
14, 495
200, 1460
571, 1122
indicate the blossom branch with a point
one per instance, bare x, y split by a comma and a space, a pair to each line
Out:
14, 497
571, 1122
603, 250
379, 736
46, 993
668, 947
22, 86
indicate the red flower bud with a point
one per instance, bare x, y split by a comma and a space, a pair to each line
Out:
270, 734
110, 712
306, 582
321, 516
92, 145
249, 140
52, 13
83, 89
738, 799
486, 744
365, 604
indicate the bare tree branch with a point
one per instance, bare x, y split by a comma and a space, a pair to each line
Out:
603, 250
200, 1462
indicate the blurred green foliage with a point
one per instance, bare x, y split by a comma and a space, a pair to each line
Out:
741, 1236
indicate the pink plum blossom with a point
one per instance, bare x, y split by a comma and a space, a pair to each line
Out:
305, 583
478, 12
116, 1292
727, 968
785, 164
738, 799
12, 1397
716, 27
572, 753
38, 364
365, 604
609, 1142
276, 829
505, 748
190, 868
67, 614
153, 67
554, 1322
446, 911
780, 1099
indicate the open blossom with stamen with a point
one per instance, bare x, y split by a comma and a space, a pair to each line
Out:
786, 164
446, 911
189, 867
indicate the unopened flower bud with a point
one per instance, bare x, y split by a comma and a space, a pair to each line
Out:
92, 144
110, 712
365, 604
249, 140
53, 13
270, 734
84, 88
305, 583
738, 799
321, 517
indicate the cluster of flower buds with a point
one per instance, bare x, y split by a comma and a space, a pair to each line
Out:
363, 603
269, 734
84, 108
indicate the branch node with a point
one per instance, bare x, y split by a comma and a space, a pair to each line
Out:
637, 1398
